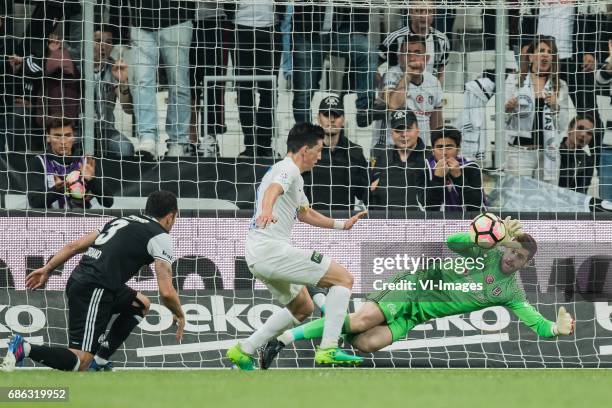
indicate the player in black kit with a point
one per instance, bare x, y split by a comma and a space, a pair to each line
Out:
97, 287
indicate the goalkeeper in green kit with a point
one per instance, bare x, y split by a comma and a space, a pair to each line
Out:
389, 314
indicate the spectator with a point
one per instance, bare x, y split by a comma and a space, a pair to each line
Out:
577, 33
341, 175
257, 52
536, 111
577, 159
111, 83
407, 84
419, 22
603, 75
46, 178
459, 178
46, 18
49, 87
7, 82
61, 90
160, 26
398, 173
319, 30
208, 56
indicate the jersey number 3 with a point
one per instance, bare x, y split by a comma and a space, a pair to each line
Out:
111, 231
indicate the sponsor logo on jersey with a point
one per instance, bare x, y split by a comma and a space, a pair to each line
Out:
489, 279
167, 255
93, 253
316, 257
496, 291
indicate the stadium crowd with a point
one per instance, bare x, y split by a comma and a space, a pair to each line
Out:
563, 52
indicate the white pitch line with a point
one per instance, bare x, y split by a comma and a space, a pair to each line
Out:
399, 345
605, 350
185, 348
447, 341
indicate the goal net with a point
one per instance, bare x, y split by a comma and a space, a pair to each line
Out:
433, 112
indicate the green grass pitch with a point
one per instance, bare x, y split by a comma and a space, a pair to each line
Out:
338, 388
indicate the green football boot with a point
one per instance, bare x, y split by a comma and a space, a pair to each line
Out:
242, 360
336, 356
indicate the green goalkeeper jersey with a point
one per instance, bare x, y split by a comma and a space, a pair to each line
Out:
446, 294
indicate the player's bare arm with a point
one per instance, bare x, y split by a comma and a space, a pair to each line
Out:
397, 95
169, 296
37, 278
270, 196
316, 219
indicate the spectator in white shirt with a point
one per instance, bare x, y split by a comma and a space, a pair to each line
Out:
577, 34
536, 113
408, 85
419, 22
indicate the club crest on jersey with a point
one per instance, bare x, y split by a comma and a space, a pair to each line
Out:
420, 98
489, 279
430, 99
496, 291
316, 257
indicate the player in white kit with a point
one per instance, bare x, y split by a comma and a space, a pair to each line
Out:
285, 269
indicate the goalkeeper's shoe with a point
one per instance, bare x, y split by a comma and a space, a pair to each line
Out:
269, 353
336, 356
94, 366
15, 354
241, 359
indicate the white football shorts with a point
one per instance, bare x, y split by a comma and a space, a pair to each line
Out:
285, 269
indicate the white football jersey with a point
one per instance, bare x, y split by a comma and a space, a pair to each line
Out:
421, 99
287, 174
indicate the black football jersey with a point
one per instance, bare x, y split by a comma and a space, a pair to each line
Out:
124, 246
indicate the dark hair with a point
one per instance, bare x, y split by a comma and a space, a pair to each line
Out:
304, 134
449, 132
55, 122
161, 203
415, 38
581, 116
525, 65
527, 242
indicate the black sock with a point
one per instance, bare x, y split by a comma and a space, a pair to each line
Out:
55, 357
119, 331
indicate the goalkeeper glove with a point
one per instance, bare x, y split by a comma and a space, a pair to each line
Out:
513, 229
564, 324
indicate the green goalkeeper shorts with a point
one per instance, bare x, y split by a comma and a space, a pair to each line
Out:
397, 307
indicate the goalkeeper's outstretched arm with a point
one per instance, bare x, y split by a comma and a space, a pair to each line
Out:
564, 325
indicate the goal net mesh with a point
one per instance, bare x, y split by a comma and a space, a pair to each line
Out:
103, 102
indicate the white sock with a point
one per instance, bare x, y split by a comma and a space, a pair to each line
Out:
319, 300
286, 338
336, 306
276, 324
26, 348
100, 360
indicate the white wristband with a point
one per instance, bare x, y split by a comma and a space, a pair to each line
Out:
339, 225
555, 330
